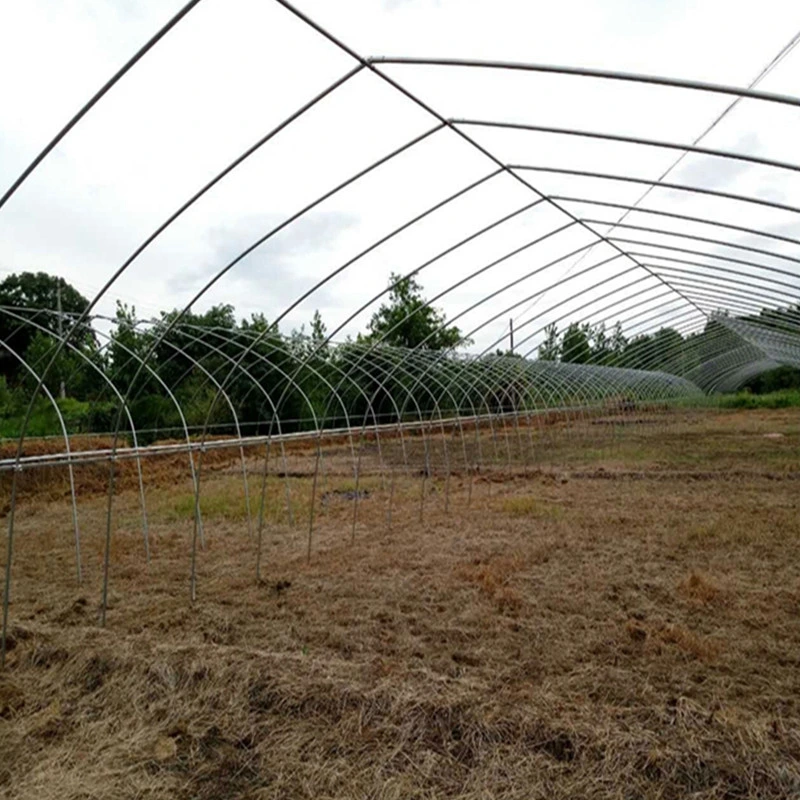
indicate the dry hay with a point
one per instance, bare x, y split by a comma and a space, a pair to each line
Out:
561, 637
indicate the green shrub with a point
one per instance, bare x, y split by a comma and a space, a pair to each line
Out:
784, 398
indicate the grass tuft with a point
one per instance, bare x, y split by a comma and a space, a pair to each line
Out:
700, 588
530, 506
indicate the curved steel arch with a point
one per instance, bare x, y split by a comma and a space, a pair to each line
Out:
395, 391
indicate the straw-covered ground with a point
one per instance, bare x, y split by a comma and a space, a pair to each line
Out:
619, 620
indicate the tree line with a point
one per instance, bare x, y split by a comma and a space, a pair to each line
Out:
192, 370
181, 372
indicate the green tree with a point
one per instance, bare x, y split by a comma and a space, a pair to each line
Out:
36, 295
408, 321
618, 342
128, 346
575, 344
550, 348
319, 333
600, 344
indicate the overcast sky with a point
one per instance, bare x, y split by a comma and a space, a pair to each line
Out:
233, 69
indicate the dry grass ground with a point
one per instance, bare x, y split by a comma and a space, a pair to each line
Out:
620, 619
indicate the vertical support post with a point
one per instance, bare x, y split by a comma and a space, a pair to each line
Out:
262, 506
62, 389
313, 497
357, 487
107, 549
9, 555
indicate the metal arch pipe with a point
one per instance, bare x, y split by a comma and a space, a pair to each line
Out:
673, 215
634, 140
736, 377
544, 68
494, 263
212, 349
320, 426
523, 181
490, 390
671, 316
476, 412
586, 72
694, 238
342, 366
729, 364
485, 152
505, 372
733, 341
690, 251
194, 476
9, 543
447, 251
104, 89
224, 337
715, 267
381, 241
10, 540
732, 291
395, 232
386, 352
466, 388
781, 348
745, 327
398, 364
423, 426
205, 189
369, 410
565, 393
430, 357
149, 239
526, 299
292, 218
196, 364
85, 314
580, 308
110, 384
638, 305
65, 435
780, 293
725, 348
751, 370
504, 312
741, 305
290, 379
750, 308
443, 121
678, 187
570, 299
254, 383
440, 255
698, 307
428, 303
419, 352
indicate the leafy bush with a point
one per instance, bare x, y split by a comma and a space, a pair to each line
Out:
785, 398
